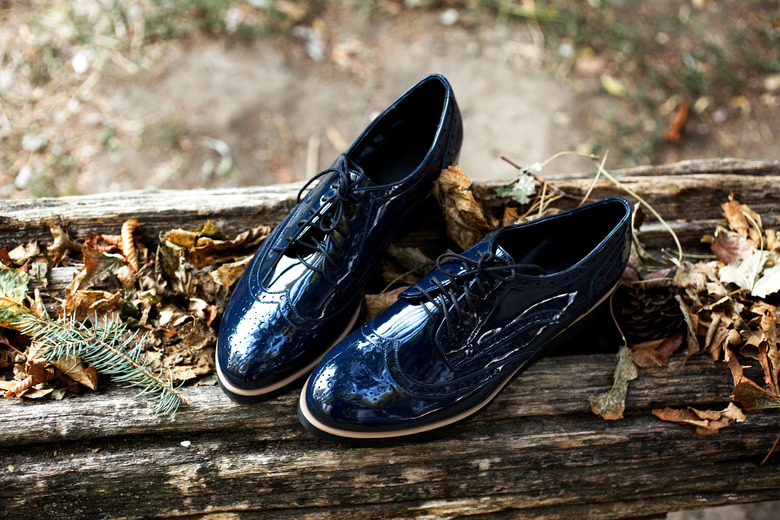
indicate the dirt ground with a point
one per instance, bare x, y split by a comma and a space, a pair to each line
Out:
205, 110
270, 103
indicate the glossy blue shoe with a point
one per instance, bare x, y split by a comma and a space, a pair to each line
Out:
302, 291
452, 341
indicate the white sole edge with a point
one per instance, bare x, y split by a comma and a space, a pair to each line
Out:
286, 381
428, 427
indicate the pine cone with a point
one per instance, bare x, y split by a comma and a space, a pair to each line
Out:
646, 309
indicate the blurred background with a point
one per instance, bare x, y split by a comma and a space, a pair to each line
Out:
110, 95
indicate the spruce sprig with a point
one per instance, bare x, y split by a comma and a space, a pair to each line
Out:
106, 345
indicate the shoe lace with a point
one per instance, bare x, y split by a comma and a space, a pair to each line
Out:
324, 221
486, 272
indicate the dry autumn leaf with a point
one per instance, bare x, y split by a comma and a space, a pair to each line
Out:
376, 303
202, 250
464, 219
655, 352
77, 370
754, 398
706, 421
62, 244
743, 220
610, 405
730, 246
673, 133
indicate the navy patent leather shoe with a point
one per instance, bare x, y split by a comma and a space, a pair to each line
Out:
302, 291
452, 341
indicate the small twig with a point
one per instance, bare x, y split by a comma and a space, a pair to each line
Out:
541, 200
646, 205
536, 177
617, 325
544, 182
595, 179
771, 450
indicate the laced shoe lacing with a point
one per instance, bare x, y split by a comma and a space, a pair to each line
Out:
486, 272
320, 223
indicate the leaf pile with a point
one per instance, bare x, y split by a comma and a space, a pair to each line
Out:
161, 305
727, 307
730, 304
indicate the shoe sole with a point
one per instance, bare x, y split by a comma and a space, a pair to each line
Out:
242, 395
365, 438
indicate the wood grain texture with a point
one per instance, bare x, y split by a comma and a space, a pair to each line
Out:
536, 452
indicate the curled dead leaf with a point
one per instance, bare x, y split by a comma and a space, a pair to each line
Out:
754, 398
376, 303
611, 404
228, 274
128, 243
465, 222
34, 371
20, 254
730, 246
743, 220
655, 352
85, 303
62, 244
78, 371
206, 246
673, 133
706, 421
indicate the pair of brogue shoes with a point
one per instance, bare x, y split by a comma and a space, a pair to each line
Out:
452, 341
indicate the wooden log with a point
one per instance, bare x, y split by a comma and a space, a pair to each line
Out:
688, 195
536, 452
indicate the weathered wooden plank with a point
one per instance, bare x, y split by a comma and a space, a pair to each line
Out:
536, 452
686, 194
114, 412
522, 467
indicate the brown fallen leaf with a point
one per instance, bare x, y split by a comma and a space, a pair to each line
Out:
611, 404
5, 258
228, 274
62, 244
204, 250
77, 370
656, 352
128, 243
33, 371
103, 243
706, 421
464, 219
754, 398
20, 254
87, 302
190, 353
743, 220
730, 246
691, 323
376, 303
717, 332
673, 133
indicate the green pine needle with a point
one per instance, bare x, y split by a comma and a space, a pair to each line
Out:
104, 345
